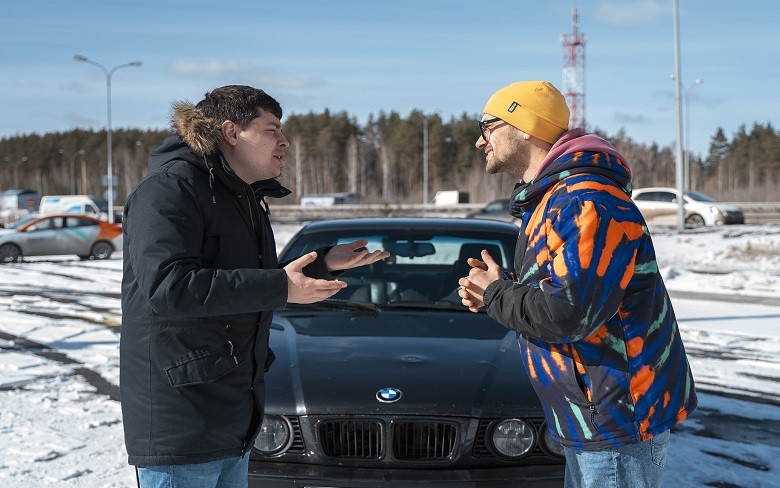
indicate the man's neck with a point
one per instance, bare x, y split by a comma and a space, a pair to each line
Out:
536, 157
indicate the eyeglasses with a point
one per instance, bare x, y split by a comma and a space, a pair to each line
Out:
483, 127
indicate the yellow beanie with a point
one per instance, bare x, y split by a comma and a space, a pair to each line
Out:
535, 107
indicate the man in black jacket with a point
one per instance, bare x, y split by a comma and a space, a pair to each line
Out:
201, 281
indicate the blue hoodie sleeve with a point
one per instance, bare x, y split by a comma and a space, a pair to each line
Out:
588, 251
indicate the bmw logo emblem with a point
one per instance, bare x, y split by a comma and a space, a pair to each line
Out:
388, 395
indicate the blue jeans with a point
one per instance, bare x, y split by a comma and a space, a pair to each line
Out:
630, 466
225, 473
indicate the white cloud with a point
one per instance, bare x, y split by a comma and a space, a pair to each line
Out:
632, 13
237, 72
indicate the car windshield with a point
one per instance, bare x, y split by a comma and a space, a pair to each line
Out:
22, 222
699, 197
422, 271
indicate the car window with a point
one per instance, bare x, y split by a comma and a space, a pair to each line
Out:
699, 197
645, 197
665, 196
424, 266
79, 222
46, 224
494, 207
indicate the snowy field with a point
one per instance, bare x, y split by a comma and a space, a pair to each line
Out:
60, 421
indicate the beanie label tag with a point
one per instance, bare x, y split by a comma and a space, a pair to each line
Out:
512, 107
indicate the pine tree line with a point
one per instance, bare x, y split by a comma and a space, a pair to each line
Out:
382, 159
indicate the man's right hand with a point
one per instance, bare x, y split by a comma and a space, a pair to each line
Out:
302, 289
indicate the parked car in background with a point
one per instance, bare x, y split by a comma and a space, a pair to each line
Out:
660, 206
58, 234
329, 199
496, 210
78, 204
392, 381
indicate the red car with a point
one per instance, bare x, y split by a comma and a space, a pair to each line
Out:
58, 234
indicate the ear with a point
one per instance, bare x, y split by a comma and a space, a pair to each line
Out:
229, 132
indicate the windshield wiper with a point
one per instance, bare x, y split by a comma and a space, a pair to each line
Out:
337, 304
438, 305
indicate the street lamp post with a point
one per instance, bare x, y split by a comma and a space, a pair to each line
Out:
16, 169
687, 154
678, 106
71, 176
108, 73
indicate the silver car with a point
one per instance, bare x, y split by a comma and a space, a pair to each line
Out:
82, 235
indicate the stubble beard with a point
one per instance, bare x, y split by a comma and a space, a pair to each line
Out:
515, 162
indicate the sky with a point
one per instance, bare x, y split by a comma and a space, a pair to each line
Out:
364, 57
59, 425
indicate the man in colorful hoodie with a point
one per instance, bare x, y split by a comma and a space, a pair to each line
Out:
597, 331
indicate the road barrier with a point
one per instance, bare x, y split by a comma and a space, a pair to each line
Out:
755, 213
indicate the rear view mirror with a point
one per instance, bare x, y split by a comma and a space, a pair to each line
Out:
410, 249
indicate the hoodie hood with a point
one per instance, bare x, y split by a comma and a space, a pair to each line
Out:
574, 153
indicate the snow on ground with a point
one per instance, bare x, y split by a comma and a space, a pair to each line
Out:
60, 421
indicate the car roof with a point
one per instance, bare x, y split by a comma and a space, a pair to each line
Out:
429, 223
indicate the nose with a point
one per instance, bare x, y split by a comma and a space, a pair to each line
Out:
481, 142
283, 142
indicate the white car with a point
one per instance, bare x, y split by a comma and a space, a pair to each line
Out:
660, 206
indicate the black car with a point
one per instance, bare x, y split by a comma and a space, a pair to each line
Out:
495, 210
393, 382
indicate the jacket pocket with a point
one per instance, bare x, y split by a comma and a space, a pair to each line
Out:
202, 366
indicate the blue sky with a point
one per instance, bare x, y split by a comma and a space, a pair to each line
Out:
366, 56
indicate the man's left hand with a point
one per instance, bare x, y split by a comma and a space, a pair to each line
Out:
352, 255
482, 274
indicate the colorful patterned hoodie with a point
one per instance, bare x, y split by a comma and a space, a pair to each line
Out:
596, 328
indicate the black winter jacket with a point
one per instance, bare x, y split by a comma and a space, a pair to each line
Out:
201, 280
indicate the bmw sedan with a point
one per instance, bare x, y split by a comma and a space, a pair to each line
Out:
393, 382
60, 234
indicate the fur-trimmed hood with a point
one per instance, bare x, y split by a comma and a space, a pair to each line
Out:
203, 134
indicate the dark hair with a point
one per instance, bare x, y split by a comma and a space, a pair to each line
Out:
238, 103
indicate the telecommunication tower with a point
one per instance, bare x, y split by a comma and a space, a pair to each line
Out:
574, 72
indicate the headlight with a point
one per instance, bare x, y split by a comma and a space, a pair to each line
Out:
513, 437
551, 443
275, 435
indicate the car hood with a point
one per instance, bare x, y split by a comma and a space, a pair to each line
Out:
444, 363
725, 207
5, 232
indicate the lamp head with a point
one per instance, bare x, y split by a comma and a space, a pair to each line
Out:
79, 57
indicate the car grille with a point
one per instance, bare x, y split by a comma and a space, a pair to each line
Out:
411, 441
353, 439
424, 441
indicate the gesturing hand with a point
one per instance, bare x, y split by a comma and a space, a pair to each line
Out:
481, 274
349, 255
302, 289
